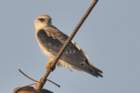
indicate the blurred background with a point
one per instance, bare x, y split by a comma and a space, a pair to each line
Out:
110, 37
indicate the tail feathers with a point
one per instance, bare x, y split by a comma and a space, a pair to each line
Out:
95, 71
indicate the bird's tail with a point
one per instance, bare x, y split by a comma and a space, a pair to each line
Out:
95, 71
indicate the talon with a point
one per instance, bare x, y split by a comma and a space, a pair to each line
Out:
50, 67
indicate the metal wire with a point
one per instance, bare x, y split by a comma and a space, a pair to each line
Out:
29, 77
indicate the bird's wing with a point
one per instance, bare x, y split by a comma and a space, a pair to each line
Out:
54, 33
73, 48
73, 53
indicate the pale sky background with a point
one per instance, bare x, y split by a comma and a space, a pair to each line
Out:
110, 37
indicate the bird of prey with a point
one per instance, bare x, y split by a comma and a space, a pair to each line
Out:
51, 39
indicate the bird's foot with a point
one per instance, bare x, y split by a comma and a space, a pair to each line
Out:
50, 66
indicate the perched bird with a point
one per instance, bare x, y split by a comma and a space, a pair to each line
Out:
51, 39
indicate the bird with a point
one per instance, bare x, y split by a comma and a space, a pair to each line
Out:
50, 40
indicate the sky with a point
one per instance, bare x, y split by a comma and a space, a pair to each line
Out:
110, 37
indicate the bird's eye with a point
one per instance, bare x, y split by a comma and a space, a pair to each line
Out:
41, 19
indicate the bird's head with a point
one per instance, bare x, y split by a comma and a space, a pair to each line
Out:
42, 22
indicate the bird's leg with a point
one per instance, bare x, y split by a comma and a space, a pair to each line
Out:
49, 65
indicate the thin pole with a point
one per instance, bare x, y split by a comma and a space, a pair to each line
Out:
83, 18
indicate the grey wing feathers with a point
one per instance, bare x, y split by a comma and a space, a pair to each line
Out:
56, 34
72, 48
75, 53
61, 37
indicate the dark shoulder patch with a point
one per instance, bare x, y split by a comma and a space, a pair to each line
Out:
41, 33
